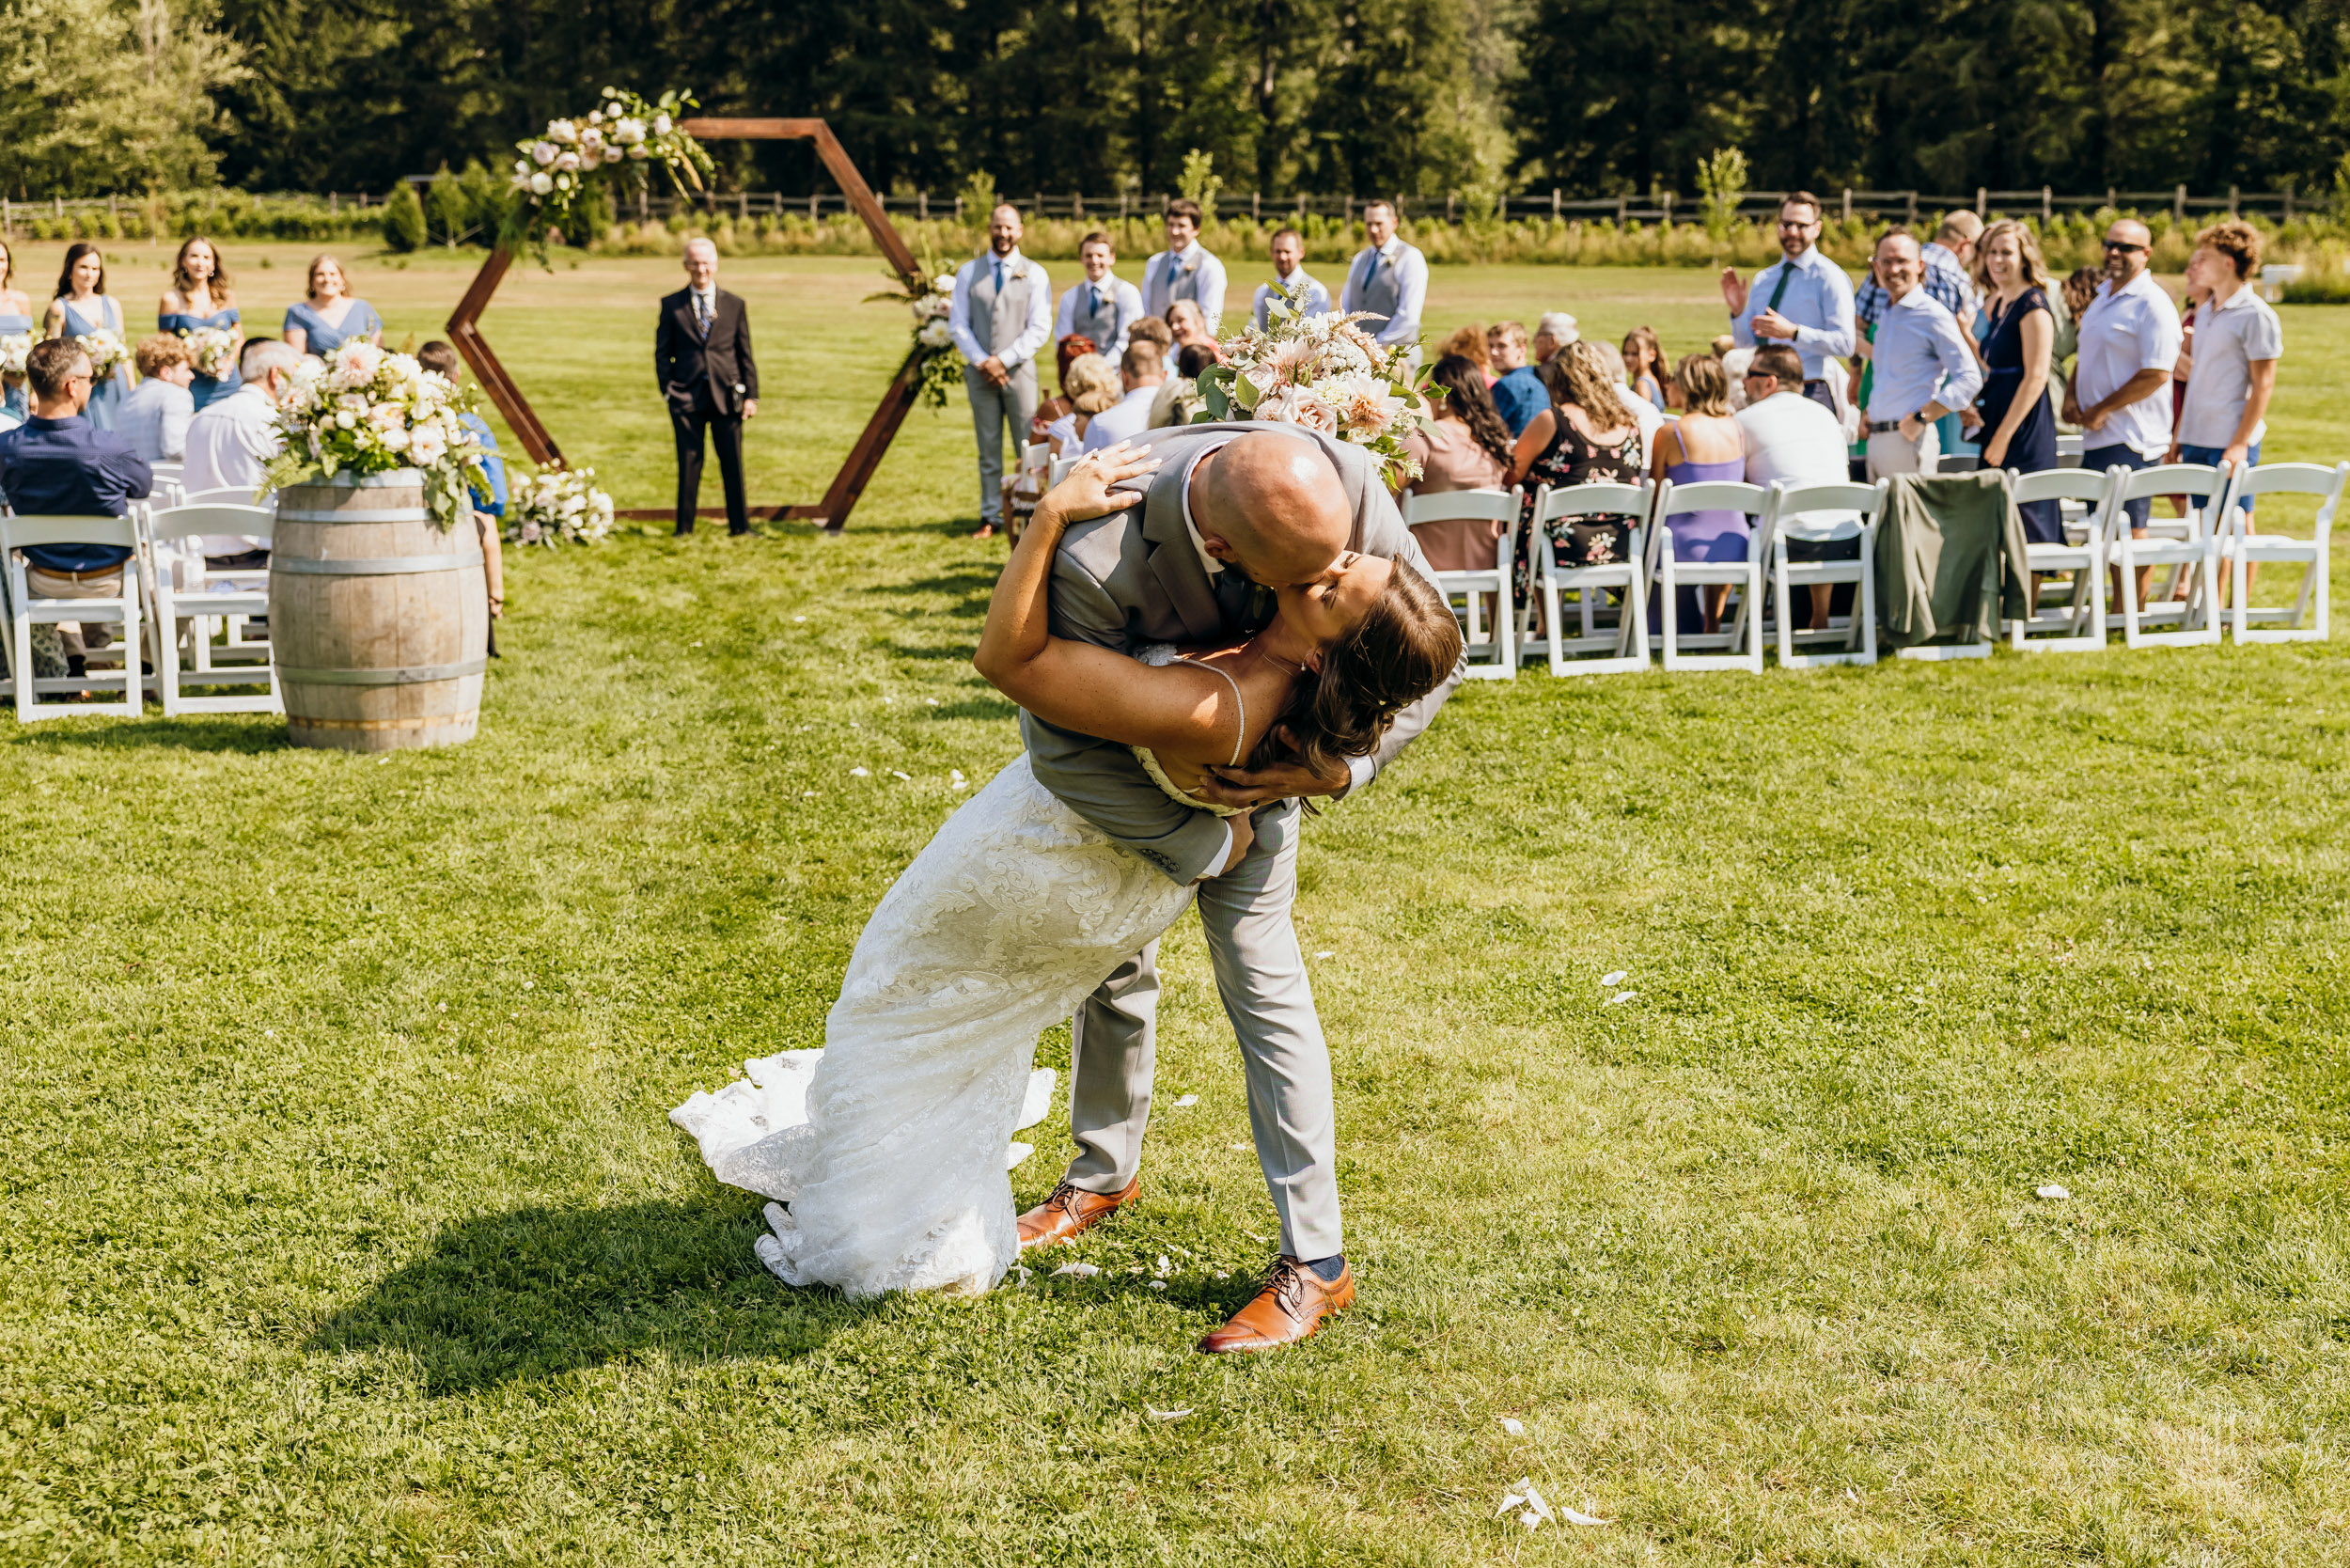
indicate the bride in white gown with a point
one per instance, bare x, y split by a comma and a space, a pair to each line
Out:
888, 1145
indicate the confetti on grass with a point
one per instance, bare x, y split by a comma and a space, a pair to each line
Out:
1514, 1427
1622, 996
1187, 1102
1614, 976
1076, 1271
1168, 1415
859, 773
2052, 1191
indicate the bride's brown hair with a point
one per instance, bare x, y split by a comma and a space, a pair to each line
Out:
1401, 649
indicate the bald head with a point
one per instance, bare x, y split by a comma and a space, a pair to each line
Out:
1273, 506
2129, 246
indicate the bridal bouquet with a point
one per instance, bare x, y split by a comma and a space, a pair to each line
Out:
623, 129
107, 352
15, 348
932, 298
1326, 373
369, 412
558, 506
212, 350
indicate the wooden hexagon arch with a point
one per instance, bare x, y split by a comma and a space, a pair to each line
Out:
465, 330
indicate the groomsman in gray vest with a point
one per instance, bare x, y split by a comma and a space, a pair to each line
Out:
1001, 317
1101, 309
1303, 292
1388, 279
1185, 270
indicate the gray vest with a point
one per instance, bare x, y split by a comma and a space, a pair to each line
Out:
1184, 285
1100, 326
1381, 295
998, 320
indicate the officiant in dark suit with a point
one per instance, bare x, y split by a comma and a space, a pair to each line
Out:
702, 354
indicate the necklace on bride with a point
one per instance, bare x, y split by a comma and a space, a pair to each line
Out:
1295, 666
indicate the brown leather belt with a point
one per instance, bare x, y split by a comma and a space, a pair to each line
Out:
93, 572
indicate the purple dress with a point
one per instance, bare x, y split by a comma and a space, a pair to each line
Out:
1704, 536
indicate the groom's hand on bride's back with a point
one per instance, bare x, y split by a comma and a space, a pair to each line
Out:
1090, 489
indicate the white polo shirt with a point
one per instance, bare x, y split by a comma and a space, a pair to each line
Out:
2121, 333
2227, 341
1790, 437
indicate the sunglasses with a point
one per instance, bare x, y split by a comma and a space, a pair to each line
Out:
2122, 245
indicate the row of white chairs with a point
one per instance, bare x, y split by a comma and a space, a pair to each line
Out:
1594, 618
169, 603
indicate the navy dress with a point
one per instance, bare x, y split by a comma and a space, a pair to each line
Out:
2033, 447
360, 321
203, 388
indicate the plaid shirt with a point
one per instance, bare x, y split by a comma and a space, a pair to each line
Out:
1945, 284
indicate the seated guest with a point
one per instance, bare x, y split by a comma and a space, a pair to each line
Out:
1152, 330
1066, 352
1555, 331
1089, 382
1303, 294
1517, 391
55, 464
1100, 307
231, 439
1142, 374
1703, 444
1721, 346
1644, 367
1587, 436
1650, 415
489, 495
1179, 398
1469, 343
1189, 324
1465, 447
1789, 436
155, 416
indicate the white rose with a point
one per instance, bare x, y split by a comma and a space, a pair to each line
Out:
543, 153
521, 166
566, 161
345, 420
943, 283
395, 439
427, 445
636, 150
935, 335
541, 184
562, 130
563, 181
660, 125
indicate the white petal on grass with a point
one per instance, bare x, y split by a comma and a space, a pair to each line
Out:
1614, 976
1326, 955
1239, 1146
1514, 1427
1163, 1265
1525, 1502
797, 619
1076, 1271
1156, 1284
1168, 1415
1622, 996
1576, 1516
1186, 1102
859, 773
907, 777
2051, 1190
1851, 1496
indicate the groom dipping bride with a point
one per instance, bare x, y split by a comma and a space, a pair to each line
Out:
1197, 633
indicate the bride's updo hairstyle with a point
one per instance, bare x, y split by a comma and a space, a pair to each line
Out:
1402, 649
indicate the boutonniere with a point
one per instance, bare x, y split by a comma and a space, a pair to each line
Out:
1190, 267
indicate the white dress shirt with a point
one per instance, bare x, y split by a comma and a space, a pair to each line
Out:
1034, 332
1194, 259
1410, 282
2228, 340
1919, 357
229, 441
2121, 333
1817, 298
1122, 295
1123, 420
154, 420
1309, 297
1790, 437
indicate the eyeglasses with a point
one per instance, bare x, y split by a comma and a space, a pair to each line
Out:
2122, 245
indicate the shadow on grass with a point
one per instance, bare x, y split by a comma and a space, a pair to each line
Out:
536, 1293
253, 733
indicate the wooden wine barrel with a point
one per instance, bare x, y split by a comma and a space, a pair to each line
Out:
378, 619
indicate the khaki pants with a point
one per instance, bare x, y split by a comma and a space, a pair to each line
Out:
54, 642
1891, 452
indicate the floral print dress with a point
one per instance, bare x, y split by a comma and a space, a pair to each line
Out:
1596, 539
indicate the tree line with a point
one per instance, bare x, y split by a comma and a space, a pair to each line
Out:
1419, 97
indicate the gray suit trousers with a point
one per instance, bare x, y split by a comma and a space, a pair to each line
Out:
990, 407
1260, 975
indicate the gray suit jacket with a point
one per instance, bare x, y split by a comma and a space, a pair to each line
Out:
1134, 577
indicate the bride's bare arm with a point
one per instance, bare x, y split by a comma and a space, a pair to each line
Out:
1182, 710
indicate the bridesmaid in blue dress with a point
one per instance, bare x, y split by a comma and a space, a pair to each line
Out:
83, 306
200, 296
16, 320
2018, 420
1704, 443
330, 318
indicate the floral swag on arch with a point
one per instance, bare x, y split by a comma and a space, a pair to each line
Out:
624, 129
931, 298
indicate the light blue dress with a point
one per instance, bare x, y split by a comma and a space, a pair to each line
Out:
360, 322
14, 399
106, 395
204, 389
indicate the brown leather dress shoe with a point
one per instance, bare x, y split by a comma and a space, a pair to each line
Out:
1069, 1213
1289, 1308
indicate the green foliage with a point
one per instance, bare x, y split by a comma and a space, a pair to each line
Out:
1199, 180
1721, 187
102, 96
403, 220
979, 200
446, 211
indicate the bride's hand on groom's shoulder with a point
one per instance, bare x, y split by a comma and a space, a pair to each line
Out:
1088, 489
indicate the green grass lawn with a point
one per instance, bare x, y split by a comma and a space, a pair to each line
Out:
342, 1222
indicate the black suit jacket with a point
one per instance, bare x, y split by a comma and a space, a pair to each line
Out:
683, 359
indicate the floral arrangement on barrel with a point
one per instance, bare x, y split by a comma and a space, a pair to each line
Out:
212, 350
557, 506
623, 129
107, 352
366, 411
932, 298
1326, 373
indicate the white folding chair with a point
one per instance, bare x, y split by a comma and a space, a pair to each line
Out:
1743, 635
2081, 621
1059, 471
1784, 523
1619, 648
1495, 640
193, 594
2308, 619
2069, 451
2187, 544
234, 644
25, 612
169, 490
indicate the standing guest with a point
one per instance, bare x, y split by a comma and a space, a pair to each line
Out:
1553, 332
83, 306
232, 440
1705, 443
1789, 436
1644, 366
1001, 317
200, 296
1518, 392
2238, 341
1101, 307
489, 494
1142, 372
57, 464
327, 316
1952, 250
1465, 445
1185, 270
2018, 348
1918, 360
1188, 324
1389, 280
702, 362
2119, 394
1803, 299
1942, 281
16, 320
1091, 385
1588, 435
154, 417
1302, 293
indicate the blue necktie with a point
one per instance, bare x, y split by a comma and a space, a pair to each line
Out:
1097, 300
1174, 268
1371, 270
999, 278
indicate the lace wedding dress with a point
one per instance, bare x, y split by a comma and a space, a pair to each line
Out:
888, 1144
